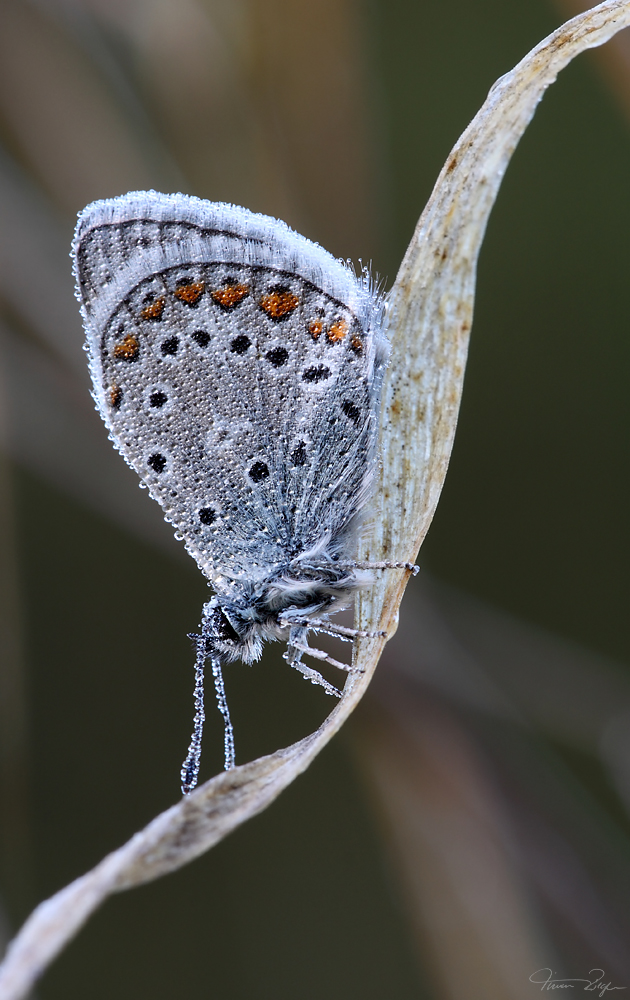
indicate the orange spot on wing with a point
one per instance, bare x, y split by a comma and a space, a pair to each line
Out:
154, 310
230, 296
337, 331
279, 302
115, 397
316, 328
190, 293
356, 344
128, 349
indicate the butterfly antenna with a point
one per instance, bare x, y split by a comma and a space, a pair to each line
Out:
228, 732
190, 767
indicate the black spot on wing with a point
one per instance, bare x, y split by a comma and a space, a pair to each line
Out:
277, 357
201, 337
170, 346
317, 373
157, 399
258, 472
157, 462
240, 344
298, 455
351, 411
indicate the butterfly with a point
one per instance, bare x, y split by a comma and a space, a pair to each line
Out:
238, 368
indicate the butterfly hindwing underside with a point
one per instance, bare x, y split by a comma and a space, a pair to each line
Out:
237, 366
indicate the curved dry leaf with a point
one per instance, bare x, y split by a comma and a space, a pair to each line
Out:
613, 63
429, 319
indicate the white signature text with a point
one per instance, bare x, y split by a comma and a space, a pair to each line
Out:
544, 978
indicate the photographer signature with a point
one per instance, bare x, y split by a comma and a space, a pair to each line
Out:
547, 982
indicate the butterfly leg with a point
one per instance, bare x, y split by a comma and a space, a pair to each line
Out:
330, 628
410, 567
293, 656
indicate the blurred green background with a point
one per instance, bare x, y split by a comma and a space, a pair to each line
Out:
471, 824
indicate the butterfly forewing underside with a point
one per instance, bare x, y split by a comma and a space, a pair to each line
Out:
241, 392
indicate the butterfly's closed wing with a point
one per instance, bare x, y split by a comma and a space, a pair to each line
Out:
238, 368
